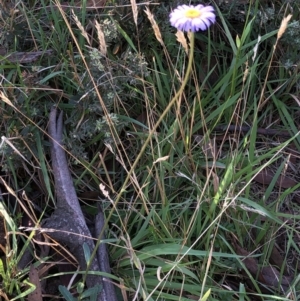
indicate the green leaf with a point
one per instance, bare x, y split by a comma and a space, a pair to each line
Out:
2, 271
260, 209
92, 292
126, 37
206, 295
80, 287
177, 249
21, 295
65, 293
87, 253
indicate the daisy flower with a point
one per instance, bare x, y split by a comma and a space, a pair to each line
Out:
192, 18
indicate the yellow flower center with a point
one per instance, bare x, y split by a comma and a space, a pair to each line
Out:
192, 13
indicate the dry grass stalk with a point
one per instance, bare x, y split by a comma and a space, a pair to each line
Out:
82, 30
154, 26
283, 26
182, 40
134, 11
101, 38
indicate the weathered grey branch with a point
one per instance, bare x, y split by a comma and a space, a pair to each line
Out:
68, 219
102, 255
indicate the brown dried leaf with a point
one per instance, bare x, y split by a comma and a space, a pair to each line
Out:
277, 259
266, 176
250, 263
267, 275
272, 278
